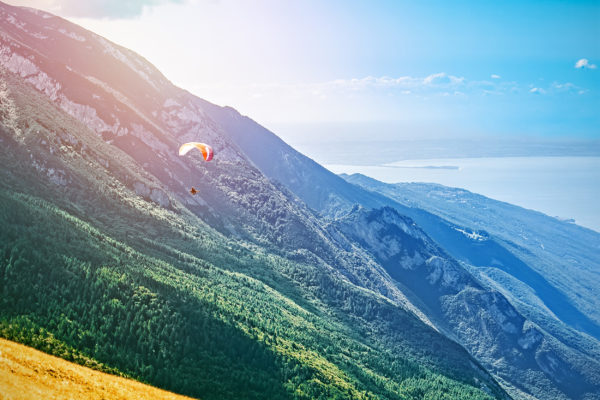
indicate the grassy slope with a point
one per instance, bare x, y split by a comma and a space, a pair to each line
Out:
26, 373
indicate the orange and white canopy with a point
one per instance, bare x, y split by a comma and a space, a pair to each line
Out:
206, 150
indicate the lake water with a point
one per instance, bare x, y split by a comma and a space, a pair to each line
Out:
565, 187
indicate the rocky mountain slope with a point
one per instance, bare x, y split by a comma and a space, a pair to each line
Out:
320, 189
562, 257
543, 265
481, 319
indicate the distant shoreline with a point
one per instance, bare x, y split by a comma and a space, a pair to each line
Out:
562, 186
424, 166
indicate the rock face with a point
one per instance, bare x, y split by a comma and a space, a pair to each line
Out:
321, 190
554, 258
156, 195
483, 320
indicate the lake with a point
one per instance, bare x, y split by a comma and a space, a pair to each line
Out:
564, 187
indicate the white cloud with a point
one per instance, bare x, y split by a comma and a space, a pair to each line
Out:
585, 63
433, 77
441, 78
437, 83
563, 86
537, 90
494, 76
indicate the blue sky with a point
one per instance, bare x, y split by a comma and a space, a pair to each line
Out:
429, 67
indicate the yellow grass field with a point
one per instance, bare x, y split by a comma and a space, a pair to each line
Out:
26, 373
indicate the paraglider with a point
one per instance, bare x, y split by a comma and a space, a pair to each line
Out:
206, 150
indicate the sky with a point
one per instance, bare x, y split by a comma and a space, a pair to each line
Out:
421, 68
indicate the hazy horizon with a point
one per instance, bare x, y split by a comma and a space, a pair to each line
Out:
556, 186
558, 176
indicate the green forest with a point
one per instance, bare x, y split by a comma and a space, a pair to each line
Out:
184, 324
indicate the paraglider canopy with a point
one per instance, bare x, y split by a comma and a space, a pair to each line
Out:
206, 150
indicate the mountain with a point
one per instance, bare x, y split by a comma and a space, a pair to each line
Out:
544, 265
500, 337
239, 292
561, 311
278, 279
559, 259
